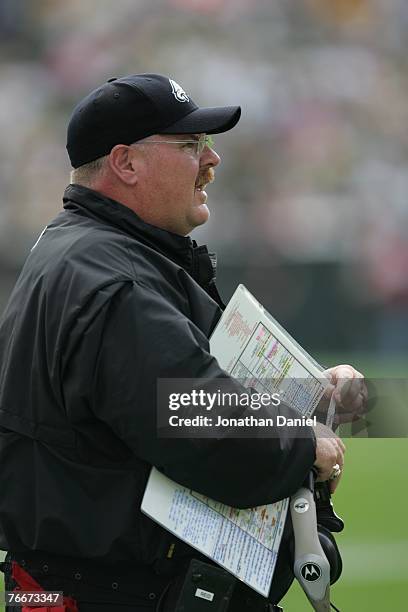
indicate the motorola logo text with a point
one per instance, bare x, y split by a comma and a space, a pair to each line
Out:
310, 572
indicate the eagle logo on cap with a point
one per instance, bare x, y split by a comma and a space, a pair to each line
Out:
178, 92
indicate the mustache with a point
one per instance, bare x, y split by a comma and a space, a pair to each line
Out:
210, 175
205, 177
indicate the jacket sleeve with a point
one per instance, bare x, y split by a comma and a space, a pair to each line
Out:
138, 338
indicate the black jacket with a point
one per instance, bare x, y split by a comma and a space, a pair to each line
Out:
105, 305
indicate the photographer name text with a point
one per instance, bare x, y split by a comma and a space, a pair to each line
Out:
246, 421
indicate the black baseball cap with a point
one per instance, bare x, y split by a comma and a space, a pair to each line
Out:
127, 109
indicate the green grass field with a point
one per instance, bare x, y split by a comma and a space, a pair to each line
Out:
373, 501
374, 544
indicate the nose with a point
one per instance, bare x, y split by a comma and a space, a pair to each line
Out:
209, 157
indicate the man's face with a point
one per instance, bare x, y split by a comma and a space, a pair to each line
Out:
172, 179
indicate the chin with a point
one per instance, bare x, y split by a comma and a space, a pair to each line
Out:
201, 216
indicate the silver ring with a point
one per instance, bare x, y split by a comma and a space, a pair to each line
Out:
336, 471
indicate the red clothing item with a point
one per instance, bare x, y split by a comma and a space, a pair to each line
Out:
27, 583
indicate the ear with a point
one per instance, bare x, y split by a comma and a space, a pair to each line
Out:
123, 161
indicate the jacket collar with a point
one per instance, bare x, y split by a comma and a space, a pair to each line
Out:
182, 250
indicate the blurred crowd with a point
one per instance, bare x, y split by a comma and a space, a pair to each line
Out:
311, 199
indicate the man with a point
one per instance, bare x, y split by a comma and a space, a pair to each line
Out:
113, 297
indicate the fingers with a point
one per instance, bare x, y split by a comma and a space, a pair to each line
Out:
333, 484
329, 451
345, 417
334, 480
327, 456
341, 445
343, 371
350, 392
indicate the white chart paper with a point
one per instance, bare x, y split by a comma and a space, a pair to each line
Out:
245, 542
250, 345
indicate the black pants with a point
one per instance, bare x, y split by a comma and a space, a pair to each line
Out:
122, 588
95, 588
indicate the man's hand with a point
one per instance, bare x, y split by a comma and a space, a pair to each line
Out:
329, 452
349, 393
